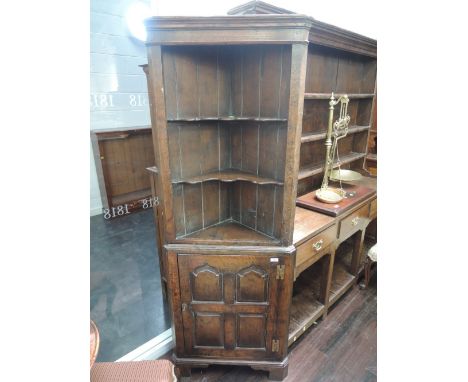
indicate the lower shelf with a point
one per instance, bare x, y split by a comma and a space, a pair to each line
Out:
305, 307
341, 280
131, 197
229, 231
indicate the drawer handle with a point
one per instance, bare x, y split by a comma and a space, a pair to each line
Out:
355, 221
318, 245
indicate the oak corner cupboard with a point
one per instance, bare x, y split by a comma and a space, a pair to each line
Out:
227, 96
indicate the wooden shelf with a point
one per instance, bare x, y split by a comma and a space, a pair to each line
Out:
309, 171
228, 231
337, 95
305, 307
226, 119
342, 280
229, 175
312, 137
371, 156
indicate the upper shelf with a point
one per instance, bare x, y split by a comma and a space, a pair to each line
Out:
308, 171
208, 119
229, 175
312, 137
337, 95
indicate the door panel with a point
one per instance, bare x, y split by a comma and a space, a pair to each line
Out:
229, 304
206, 284
252, 285
209, 329
251, 330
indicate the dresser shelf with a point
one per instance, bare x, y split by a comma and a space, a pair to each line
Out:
312, 137
309, 171
309, 96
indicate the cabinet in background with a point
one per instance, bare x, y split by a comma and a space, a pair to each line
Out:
122, 156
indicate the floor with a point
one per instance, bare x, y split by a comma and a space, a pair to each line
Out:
341, 348
126, 299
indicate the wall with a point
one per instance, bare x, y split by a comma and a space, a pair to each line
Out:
119, 95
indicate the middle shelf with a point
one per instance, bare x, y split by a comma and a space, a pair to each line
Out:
228, 175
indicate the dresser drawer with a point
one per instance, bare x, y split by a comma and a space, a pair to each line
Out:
354, 222
373, 209
310, 251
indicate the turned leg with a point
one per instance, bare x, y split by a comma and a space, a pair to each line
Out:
326, 278
357, 251
367, 272
278, 373
367, 267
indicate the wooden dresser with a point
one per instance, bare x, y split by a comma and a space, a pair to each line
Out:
329, 258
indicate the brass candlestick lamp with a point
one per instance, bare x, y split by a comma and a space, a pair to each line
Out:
337, 131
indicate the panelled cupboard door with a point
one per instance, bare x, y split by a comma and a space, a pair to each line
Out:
229, 305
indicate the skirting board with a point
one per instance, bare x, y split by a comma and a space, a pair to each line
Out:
153, 349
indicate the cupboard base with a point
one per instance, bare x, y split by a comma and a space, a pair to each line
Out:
278, 370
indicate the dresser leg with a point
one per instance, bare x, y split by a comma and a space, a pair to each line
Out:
278, 373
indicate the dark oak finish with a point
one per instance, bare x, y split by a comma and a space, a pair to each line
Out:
121, 157
227, 95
